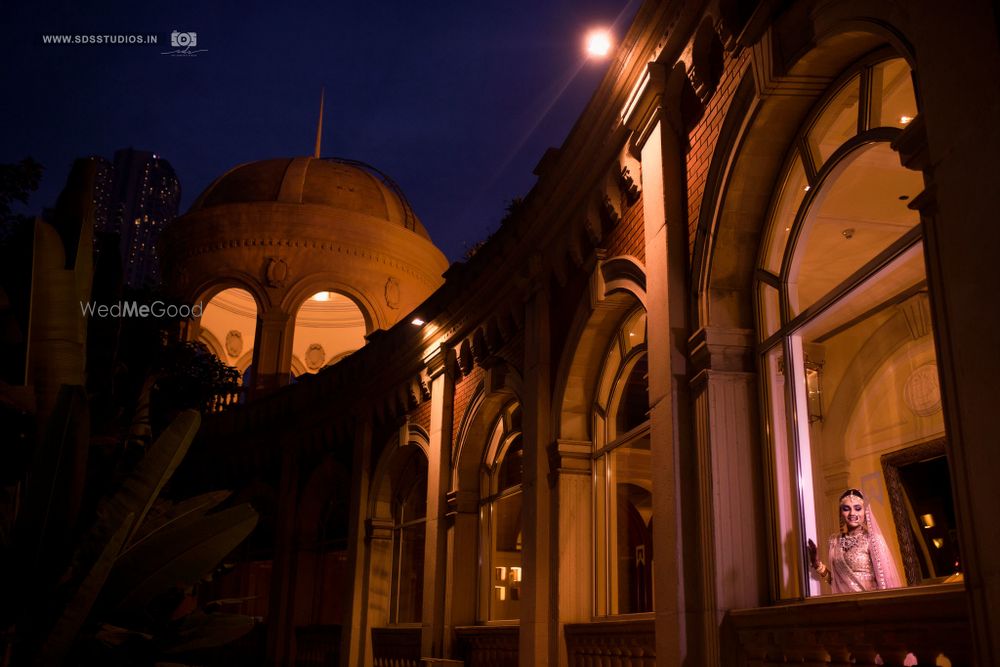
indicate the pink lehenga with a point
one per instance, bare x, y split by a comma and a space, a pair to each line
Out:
861, 561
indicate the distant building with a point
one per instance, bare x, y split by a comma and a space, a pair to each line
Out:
134, 197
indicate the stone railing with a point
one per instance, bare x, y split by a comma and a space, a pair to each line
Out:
317, 645
487, 645
396, 647
612, 643
916, 626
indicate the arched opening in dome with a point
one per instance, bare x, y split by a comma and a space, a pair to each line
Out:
328, 327
228, 327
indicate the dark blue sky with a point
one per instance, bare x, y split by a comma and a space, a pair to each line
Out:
455, 100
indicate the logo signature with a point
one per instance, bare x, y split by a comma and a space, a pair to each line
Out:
183, 43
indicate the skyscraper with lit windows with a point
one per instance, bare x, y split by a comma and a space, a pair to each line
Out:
134, 197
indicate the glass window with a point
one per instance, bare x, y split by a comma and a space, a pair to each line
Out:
837, 123
852, 405
622, 477
893, 101
500, 520
409, 521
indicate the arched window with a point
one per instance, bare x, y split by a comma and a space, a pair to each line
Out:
500, 519
850, 383
409, 518
622, 475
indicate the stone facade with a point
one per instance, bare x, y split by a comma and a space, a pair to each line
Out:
658, 202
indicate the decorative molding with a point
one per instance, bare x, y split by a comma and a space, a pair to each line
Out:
392, 293
461, 502
720, 349
315, 357
275, 272
570, 457
911, 144
641, 111
769, 80
440, 361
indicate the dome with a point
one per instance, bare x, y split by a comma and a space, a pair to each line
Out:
345, 185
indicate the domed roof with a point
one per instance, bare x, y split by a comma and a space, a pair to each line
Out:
341, 184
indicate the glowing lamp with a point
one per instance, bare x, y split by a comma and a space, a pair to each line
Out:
598, 43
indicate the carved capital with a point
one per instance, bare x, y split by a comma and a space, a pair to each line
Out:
718, 349
461, 502
441, 360
570, 457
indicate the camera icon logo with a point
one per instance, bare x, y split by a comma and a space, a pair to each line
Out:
183, 39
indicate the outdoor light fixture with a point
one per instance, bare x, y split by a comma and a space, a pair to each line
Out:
598, 43
928, 520
417, 322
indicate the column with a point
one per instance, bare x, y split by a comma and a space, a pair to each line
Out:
272, 350
440, 368
675, 507
732, 523
538, 631
573, 533
279, 630
354, 640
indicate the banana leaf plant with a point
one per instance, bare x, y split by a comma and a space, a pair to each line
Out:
110, 595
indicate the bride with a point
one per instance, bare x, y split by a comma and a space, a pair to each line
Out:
859, 558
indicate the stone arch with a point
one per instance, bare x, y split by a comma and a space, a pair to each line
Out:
297, 294
595, 321
624, 274
771, 104
501, 385
411, 438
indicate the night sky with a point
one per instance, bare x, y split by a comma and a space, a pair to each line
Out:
456, 101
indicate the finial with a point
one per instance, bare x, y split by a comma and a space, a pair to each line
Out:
319, 125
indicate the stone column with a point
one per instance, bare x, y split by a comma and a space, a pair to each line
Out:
573, 533
732, 522
538, 632
280, 611
461, 587
354, 641
440, 368
272, 352
662, 152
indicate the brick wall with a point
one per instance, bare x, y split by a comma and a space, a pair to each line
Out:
628, 236
705, 135
465, 389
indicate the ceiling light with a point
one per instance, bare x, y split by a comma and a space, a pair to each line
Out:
905, 119
321, 296
417, 322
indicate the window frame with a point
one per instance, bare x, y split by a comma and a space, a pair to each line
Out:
626, 355
818, 176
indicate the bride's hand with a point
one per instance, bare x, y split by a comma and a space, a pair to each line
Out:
811, 550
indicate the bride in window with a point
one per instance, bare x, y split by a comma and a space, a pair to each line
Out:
859, 559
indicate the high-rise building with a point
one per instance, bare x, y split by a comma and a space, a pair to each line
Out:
134, 197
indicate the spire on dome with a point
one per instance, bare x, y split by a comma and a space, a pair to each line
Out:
319, 125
